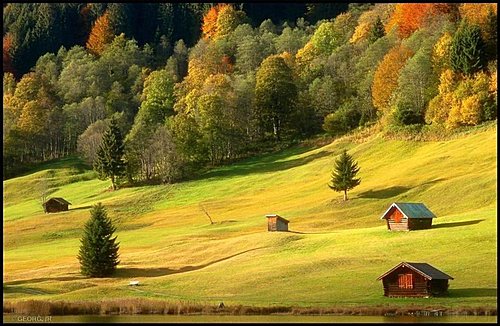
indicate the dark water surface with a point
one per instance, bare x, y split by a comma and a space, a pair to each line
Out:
9, 318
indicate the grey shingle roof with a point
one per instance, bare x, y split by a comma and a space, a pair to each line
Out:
411, 210
279, 217
432, 272
423, 269
61, 200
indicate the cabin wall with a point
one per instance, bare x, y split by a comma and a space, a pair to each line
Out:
395, 226
54, 207
281, 225
420, 223
392, 287
396, 220
271, 223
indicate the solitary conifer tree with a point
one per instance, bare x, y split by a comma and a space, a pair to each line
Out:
377, 31
98, 254
343, 176
109, 162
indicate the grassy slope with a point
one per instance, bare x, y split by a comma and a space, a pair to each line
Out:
334, 255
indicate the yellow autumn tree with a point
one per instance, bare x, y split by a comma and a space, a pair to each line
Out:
209, 25
477, 13
385, 79
439, 106
100, 35
368, 18
441, 52
471, 98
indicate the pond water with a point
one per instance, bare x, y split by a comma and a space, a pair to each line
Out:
242, 319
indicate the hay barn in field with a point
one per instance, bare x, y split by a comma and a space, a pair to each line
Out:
56, 204
276, 223
414, 280
408, 216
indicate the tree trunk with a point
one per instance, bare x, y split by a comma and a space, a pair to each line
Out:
277, 128
345, 195
113, 182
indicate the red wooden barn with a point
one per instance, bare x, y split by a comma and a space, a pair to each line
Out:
276, 223
414, 280
408, 216
56, 204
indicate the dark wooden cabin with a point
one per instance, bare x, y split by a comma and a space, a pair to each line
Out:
414, 280
408, 216
56, 204
276, 223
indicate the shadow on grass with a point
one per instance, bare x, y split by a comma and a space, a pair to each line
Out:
45, 279
22, 289
271, 163
455, 224
156, 272
73, 162
472, 292
299, 232
384, 193
80, 208
395, 190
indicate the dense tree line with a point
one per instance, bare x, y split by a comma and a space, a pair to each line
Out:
210, 83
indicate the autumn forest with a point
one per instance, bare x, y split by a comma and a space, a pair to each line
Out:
189, 85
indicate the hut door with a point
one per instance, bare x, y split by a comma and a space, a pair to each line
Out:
405, 281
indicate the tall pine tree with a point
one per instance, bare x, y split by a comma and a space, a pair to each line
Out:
468, 50
98, 254
344, 174
109, 162
377, 31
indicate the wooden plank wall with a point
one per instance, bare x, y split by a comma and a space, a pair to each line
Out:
392, 289
420, 223
401, 226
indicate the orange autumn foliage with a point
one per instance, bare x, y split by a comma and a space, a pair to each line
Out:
100, 35
408, 17
7, 59
209, 26
385, 80
477, 13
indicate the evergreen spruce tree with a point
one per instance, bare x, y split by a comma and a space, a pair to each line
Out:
491, 37
109, 162
468, 50
98, 254
343, 176
377, 31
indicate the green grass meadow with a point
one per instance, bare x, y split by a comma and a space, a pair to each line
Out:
332, 255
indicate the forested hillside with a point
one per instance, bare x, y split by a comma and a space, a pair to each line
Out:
192, 85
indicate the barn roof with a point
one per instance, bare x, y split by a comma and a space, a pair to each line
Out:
60, 200
411, 210
276, 215
423, 269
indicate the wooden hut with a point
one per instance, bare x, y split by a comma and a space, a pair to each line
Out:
276, 223
56, 204
408, 216
414, 280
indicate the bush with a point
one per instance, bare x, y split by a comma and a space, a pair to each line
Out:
404, 115
343, 120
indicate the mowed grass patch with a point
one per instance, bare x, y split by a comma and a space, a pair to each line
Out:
333, 255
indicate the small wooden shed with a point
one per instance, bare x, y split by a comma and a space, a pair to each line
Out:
408, 216
276, 223
56, 204
414, 280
